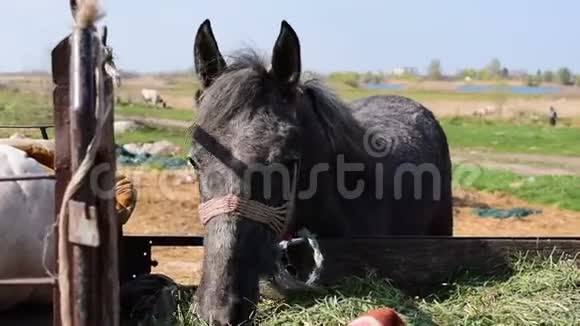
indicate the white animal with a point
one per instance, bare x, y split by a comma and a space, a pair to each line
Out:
26, 214
152, 96
488, 110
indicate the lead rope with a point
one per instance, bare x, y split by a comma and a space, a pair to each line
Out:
305, 236
284, 278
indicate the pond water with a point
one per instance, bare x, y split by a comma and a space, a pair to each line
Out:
386, 87
525, 90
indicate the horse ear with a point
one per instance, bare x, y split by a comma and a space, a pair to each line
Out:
209, 63
286, 65
74, 7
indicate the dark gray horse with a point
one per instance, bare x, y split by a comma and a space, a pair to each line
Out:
377, 167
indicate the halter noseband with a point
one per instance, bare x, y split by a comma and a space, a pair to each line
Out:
277, 218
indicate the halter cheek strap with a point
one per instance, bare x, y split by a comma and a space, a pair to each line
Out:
277, 218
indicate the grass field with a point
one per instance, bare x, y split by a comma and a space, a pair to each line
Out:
20, 107
512, 136
148, 112
178, 137
559, 191
537, 293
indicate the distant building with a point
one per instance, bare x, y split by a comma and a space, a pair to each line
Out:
519, 74
402, 71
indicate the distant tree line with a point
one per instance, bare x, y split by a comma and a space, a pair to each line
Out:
493, 71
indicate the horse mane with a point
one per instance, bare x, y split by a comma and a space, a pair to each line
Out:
246, 77
334, 115
240, 83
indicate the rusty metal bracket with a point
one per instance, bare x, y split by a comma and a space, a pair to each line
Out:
83, 228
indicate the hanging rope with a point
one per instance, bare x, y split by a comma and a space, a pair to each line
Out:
288, 282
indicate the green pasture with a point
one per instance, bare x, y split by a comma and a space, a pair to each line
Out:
512, 136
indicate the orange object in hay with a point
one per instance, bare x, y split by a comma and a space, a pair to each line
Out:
378, 317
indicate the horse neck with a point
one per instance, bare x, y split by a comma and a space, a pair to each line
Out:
329, 140
345, 137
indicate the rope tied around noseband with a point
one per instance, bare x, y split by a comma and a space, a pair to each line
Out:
274, 217
277, 218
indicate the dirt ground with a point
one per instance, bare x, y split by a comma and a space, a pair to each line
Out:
168, 203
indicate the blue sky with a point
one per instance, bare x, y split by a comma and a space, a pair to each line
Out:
335, 35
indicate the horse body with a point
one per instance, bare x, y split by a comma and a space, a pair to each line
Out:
417, 164
396, 142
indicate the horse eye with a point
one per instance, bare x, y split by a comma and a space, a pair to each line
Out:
192, 162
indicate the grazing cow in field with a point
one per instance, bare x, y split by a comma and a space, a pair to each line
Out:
482, 112
152, 96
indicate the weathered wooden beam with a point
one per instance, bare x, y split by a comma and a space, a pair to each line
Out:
84, 287
418, 264
93, 227
414, 264
60, 97
109, 228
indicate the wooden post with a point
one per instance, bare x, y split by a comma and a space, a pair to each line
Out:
81, 208
93, 228
109, 227
60, 77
